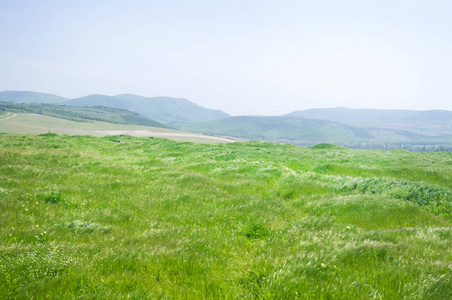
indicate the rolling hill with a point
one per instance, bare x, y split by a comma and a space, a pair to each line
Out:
97, 100
355, 128
306, 132
30, 123
29, 97
82, 113
162, 109
399, 119
278, 128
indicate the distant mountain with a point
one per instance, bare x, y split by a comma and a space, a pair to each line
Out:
29, 97
82, 113
97, 100
305, 132
162, 109
358, 128
400, 119
278, 129
169, 110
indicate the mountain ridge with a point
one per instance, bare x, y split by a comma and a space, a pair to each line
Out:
355, 128
82, 113
377, 117
169, 109
30, 97
161, 109
307, 132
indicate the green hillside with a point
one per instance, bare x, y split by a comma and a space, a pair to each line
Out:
161, 109
274, 128
97, 100
307, 132
429, 119
91, 218
82, 114
353, 128
29, 97
26, 123
169, 110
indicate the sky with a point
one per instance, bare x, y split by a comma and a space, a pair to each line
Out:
242, 57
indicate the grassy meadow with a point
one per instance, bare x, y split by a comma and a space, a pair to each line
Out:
86, 217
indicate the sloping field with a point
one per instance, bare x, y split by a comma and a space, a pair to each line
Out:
38, 124
81, 113
84, 217
309, 132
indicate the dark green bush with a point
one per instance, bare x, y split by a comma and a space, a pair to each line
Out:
49, 134
256, 231
55, 198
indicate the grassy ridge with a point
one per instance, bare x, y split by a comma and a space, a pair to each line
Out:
382, 118
86, 217
30, 97
82, 114
278, 128
162, 109
308, 132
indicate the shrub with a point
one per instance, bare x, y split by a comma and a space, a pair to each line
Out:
83, 226
436, 199
55, 198
256, 231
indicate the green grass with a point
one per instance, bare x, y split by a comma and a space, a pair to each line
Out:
89, 218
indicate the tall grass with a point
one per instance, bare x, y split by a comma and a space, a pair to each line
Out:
90, 218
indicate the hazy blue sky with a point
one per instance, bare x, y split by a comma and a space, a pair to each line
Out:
243, 57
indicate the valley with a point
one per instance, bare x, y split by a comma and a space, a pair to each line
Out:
353, 128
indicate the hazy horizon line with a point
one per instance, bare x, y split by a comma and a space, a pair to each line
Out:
233, 115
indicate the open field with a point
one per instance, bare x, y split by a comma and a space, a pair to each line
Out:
38, 124
90, 218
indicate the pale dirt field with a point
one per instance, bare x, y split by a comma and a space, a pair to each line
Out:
37, 124
8, 116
